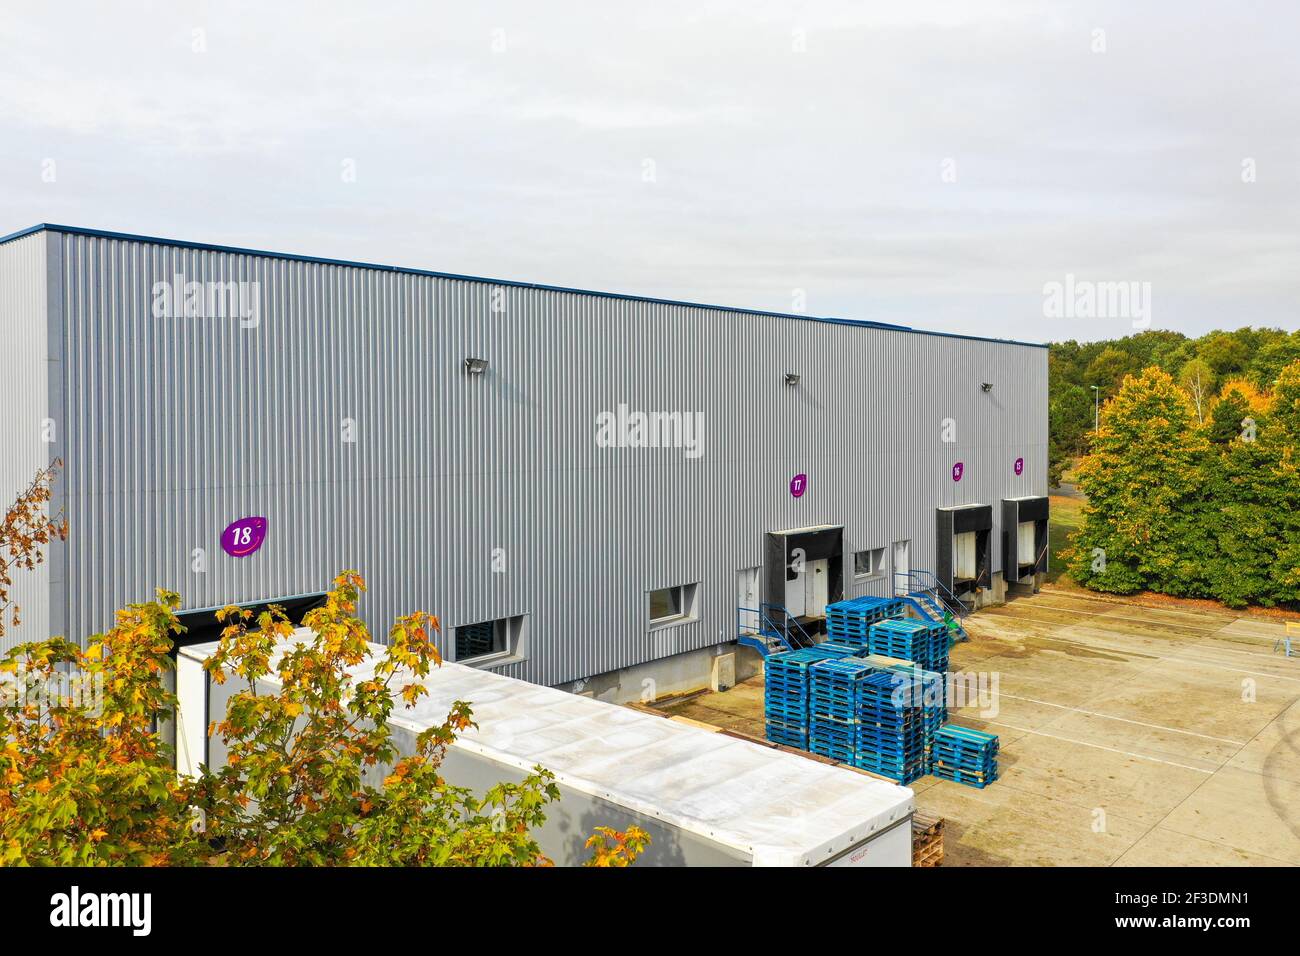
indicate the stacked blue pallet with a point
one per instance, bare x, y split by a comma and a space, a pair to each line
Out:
785, 704
965, 756
923, 642
931, 688
833, 693
891, 730
839, 648
849, 622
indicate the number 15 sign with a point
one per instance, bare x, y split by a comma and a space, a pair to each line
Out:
241, 538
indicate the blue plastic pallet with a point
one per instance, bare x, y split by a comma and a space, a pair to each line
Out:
945, 742
964, 738
796, 718
827, 748
967, 779
904, 775
841, 733
788, 738
974, 764
894, 752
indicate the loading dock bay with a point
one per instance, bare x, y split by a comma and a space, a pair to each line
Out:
1131, 735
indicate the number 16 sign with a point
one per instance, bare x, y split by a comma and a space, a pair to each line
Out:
241, 538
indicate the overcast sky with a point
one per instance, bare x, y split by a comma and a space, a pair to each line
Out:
932, 164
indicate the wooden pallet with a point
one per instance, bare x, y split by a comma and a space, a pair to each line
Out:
927, 839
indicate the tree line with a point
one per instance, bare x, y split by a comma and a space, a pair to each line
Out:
1202, 368
1193, 481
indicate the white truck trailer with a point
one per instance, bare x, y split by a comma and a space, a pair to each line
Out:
706, 799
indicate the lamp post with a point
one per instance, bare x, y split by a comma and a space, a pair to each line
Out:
1096, 408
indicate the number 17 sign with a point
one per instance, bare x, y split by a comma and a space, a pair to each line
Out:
241, 538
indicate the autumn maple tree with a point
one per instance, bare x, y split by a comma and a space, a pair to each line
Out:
27, 528
84, 778
313, 775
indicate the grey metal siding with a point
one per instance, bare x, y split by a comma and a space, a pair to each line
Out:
177, 427
24, 398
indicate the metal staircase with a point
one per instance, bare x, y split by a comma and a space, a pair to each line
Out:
933, 601
770, 629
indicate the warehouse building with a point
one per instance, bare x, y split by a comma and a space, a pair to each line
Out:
597, 492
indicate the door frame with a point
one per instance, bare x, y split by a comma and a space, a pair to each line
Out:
895, 570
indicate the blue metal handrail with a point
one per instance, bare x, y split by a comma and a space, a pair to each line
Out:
790, 632
804, 638
922, 581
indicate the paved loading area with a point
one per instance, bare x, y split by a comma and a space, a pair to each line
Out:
1130, 735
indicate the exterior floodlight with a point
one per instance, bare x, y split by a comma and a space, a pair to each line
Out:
986, 386
476, 366
792, 378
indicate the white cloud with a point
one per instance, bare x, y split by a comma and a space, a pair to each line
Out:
512, 142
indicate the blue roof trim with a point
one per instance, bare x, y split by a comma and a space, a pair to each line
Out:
236, 250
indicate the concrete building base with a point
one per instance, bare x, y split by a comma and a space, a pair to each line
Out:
667, 677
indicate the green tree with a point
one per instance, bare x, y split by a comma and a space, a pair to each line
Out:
294, 791
1197, 380
1069, 415
1274, 355
1230, 416
1224, 352
1110, 368
1141, 482
313, 778
1239, 502
1285, 411
87, 782
1283, 432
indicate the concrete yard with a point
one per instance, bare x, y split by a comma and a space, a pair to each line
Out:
1130, 735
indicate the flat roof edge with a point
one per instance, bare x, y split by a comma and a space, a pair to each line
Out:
510, 283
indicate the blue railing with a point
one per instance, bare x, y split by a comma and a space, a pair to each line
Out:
925, 582
756, 626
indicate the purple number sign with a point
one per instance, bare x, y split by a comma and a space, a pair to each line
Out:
957, 471
798, 485
1020, 466
243, 537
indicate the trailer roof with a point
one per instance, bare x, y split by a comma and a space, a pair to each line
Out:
237, 250
781, 808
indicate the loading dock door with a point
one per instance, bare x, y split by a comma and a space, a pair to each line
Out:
815, 597
807, 588
1024, 538
1026, 553
795, 588
803, 570
962, 547
963, 556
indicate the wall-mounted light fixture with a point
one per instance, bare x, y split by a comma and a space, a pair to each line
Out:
792, 378
986, 386
476, 366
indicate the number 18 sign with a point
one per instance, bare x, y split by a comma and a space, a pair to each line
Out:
241, 538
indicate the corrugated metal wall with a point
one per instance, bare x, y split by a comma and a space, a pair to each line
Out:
24, 408
176, 427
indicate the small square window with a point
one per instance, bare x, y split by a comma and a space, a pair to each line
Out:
672, 605
869, 564
488, 640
